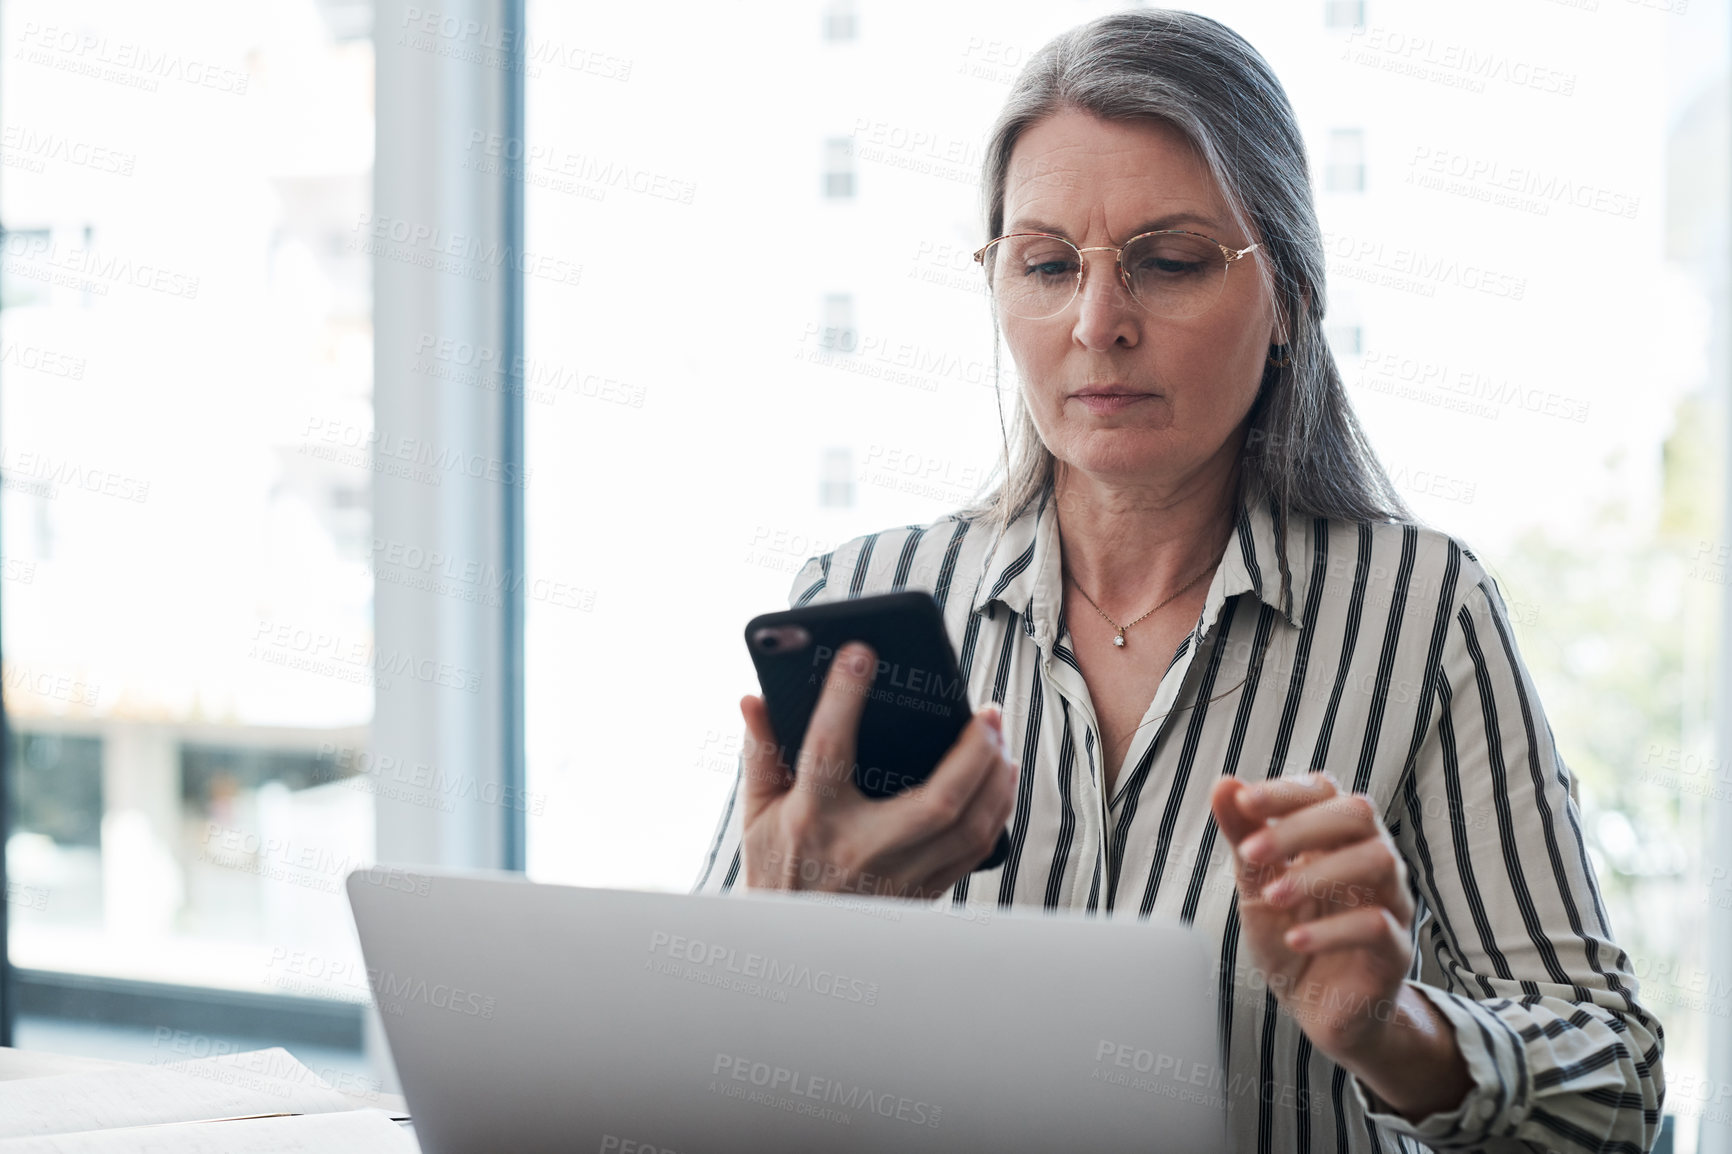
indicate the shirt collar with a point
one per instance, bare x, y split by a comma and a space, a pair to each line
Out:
1023, 573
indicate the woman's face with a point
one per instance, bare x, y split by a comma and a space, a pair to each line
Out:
1098, 182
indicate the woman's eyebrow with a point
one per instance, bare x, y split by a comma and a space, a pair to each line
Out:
1155, 225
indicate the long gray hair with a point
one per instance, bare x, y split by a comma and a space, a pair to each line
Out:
1303, 446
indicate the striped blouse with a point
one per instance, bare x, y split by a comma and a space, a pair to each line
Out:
1387, 661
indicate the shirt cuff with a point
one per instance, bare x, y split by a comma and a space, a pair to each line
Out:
1496, 1063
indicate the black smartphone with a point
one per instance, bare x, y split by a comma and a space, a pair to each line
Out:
917, 703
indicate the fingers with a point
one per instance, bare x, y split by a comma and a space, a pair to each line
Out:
1242, 809
1235, 826
1369, 927
766, 775
1224, 800
1283, 795
1335, 821
967, 843
1368, 873
937, 805
1272, 823
827, 754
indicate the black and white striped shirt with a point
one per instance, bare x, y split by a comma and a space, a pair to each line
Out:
1391, 666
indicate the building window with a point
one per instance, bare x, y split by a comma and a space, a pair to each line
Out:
838, 334
1343, 13
836, 479
839, 167
23, 248
1344, 168
840, 20
57, 791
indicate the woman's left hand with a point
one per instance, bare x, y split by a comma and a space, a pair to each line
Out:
1324, 903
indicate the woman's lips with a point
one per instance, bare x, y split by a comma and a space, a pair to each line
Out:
1110, 402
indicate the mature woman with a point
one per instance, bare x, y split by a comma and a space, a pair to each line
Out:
1221, 673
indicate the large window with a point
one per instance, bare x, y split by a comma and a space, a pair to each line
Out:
185, 400
1523, 223
1526, 228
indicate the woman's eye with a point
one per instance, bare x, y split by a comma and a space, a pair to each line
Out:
1171, 267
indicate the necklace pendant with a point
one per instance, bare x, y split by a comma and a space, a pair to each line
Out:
1119, 639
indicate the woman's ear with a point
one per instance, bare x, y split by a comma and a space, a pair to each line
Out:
1281, 332
1304, 308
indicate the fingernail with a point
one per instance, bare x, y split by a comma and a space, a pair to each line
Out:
1255, 846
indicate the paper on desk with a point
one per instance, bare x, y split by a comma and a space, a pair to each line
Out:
257, 1082
355, 1132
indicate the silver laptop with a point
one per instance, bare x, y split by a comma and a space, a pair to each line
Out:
529, 1017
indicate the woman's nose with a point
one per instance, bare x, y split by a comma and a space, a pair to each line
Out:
1104, 306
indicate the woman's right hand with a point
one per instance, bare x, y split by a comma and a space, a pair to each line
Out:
813, 829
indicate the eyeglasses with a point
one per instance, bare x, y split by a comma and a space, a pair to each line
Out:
1171, 273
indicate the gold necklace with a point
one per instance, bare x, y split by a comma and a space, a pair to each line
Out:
1119, 637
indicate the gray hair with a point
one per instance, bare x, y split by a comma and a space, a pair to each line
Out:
1303, 446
